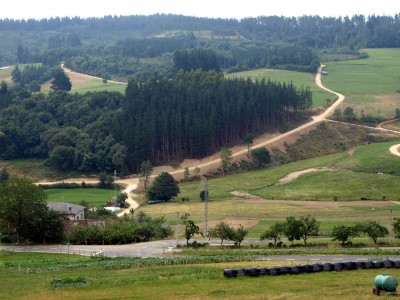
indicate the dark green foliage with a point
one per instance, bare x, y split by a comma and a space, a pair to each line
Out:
224, 231
70, 281
372, 229
273, 233
116, 44
127, 230
396, 227
106, 181
221, 231
261, 157
146, 168
24, 215
203, 195
198, 113
189, 60
302, 228
191, 229
73, 131
248, 141
61, 81
164, 188
344, 233
4, 175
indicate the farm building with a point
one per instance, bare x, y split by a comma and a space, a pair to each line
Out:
72, 211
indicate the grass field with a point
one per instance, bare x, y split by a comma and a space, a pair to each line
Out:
370, 84
93, 196
299, 79
5, 74
203, 281
82, 84
347, 177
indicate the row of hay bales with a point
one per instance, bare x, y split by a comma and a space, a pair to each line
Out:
314, 268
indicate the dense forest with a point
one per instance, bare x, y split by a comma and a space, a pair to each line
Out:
198, 112
145, 45
178, 103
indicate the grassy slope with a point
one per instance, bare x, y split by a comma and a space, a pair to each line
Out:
369, 84
350, 178
298, 78
204, 281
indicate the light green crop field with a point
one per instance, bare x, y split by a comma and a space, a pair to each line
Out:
370, 84
93, 196
299, 79
197, 281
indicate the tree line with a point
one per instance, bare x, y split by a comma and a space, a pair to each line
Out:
196, 113
92, 46
304, 227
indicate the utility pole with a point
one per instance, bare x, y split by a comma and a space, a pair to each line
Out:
115, 187
177, 228
205, 206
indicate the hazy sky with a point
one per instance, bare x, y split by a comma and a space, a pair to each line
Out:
24, 9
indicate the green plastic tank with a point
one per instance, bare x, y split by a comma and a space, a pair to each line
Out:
386, 283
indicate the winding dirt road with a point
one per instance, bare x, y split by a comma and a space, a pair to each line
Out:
131, 184
315, 120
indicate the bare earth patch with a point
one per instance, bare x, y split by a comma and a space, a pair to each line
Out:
294, 175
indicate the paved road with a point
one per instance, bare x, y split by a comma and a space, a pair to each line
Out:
167, 248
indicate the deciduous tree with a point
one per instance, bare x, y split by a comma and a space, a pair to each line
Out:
191, 229
146, 169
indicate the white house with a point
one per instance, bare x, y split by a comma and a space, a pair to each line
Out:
73, 212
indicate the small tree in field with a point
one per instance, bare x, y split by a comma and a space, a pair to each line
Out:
344, 233
226, 158
238, 235
396, 227
273, 233
146, 169
164, 188
191, 229
373, 230
222, 231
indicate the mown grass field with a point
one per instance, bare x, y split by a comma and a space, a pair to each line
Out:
299, 79
370, 84
203, 281
93, 196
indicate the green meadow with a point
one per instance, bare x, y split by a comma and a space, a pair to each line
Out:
93, 196
324, 194
370, 85
299, 79
35, 275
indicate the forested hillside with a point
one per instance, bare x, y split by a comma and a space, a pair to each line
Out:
178, 103
145, 45
197, 113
